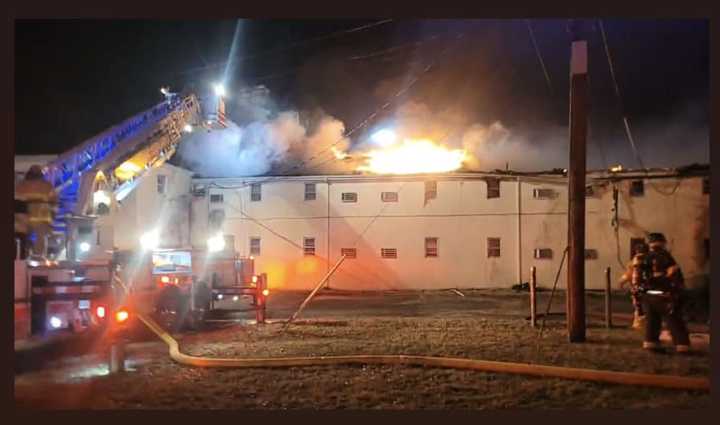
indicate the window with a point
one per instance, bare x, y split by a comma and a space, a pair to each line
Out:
493, 188
216, 219
348, 252
216, 198
199, 190
310, 193
637, 188
229, 243
493, 247
634, 242
389, 196
706, 243
388, 252
349, 197
543, 193
255, 192
161, 181
431, 247
591, 254
309, 246
430, 190
543, 254
706, 185
84, 230
254, 246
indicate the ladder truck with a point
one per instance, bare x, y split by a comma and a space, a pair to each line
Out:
89, 179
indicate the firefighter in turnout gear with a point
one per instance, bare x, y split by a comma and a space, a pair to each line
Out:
660, 288
41, 199
633, 276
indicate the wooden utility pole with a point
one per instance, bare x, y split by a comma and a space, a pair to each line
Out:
576, 191
608, 299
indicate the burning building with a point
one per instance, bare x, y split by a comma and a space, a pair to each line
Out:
451, 229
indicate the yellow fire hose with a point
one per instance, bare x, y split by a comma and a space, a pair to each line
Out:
625, 378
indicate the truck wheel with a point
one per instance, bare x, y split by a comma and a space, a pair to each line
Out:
172, 309
196, 319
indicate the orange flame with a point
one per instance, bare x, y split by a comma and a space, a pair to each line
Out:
414, 156
338, 153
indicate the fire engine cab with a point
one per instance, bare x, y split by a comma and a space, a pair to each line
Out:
184, 288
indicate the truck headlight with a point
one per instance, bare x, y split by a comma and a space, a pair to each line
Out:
84, 247
55, 322
216, 243
150, 240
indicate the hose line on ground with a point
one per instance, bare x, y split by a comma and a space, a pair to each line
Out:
624, 378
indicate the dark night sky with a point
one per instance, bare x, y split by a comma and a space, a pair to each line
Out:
75, 78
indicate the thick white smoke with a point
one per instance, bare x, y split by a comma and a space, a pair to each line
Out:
260, 146
241, 151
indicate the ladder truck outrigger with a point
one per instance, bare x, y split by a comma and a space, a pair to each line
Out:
94, 282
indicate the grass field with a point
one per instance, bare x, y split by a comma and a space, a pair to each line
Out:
479, 325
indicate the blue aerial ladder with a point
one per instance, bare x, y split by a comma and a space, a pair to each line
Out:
74, 173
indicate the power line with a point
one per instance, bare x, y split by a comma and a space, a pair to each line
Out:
626, 124
539, 56
288, 46
328, 148
374, 54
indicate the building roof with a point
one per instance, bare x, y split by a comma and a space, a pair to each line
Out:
600, 174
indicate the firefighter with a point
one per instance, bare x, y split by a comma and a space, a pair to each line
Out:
41, 199
633, 276
661, 288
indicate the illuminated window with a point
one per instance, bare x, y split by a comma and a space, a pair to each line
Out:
216, 198
310, 193
308, 246
255, 246
431, 247
349, 197
255, 192
388, 252
543, 254
493, 187
493, 247
389, 196
637, 188
161, 181
591, 254
348, 252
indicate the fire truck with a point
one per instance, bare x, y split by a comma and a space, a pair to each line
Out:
183, 288
55, 298
81, 290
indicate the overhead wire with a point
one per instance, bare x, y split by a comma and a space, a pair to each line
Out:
539, 56
626, 123
289, 46
362, 124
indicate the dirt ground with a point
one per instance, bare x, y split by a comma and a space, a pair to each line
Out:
488, 325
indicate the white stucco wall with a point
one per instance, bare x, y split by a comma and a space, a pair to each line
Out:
461, 217
144, 209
